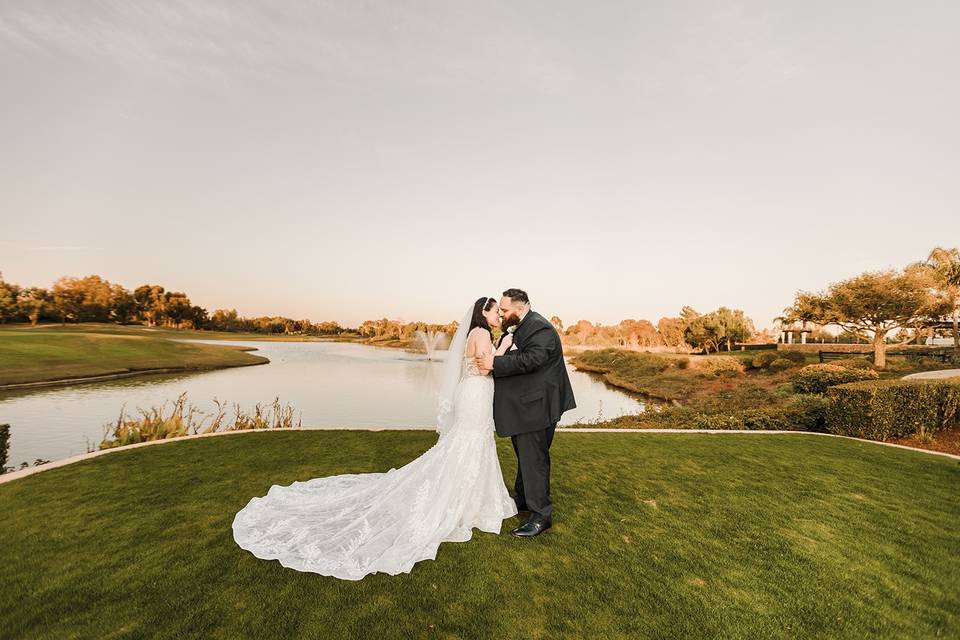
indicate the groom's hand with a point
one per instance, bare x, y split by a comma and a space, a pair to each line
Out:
484, 362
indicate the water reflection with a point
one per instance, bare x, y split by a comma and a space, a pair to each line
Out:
330, 384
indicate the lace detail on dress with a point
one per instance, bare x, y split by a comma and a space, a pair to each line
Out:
470, 367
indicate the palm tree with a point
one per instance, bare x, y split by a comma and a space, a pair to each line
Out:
945, 264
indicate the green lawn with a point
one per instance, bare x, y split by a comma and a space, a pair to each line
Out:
52, 354
656, 535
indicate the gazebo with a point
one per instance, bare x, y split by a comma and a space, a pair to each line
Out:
787, 333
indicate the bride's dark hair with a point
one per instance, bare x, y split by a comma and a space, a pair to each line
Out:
481, 305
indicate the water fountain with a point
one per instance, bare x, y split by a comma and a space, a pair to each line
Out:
431, 341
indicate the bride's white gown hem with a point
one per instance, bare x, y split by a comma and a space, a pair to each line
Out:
352, 525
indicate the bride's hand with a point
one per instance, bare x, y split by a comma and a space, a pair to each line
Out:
484, 362
507, 341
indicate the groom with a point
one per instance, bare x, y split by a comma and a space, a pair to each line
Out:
531, 391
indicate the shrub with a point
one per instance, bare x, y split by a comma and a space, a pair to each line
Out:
854, 363
763, 360
803, 413
781, 364
883, 409
808, 412
767, 358
4, 446
718, 365
794, 356
816, 378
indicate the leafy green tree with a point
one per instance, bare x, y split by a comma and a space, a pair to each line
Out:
945, 266
151, 302
734, 326
123, 306
177, 306
875, 302
703, 331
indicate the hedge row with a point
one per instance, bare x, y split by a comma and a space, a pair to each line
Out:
4, 445
802, 412
817, 378
883, 409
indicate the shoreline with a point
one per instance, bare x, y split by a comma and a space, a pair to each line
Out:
29, 471
124, 374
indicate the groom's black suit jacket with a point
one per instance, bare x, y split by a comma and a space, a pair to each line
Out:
531, 385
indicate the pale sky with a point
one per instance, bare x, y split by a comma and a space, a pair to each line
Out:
350, 160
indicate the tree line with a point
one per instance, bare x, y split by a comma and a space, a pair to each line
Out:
902, 305
712, 331
94, 299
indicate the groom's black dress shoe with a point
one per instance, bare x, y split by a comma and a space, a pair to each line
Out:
533, 527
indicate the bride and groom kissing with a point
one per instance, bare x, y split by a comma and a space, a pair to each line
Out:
349, 526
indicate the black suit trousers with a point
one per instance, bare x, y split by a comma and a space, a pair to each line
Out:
533, 470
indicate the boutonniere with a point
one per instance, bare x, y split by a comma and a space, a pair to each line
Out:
511, 329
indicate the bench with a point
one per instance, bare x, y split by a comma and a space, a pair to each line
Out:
942, 356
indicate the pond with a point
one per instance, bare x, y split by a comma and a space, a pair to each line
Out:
329, 385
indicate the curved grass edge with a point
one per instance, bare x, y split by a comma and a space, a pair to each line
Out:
127, 373
29, 471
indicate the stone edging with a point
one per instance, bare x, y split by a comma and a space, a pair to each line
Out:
29, 471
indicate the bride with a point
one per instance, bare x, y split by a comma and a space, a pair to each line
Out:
352, 525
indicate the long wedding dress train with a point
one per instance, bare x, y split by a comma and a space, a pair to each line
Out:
352, 525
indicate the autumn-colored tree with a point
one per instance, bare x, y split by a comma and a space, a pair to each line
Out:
67, 299
638, 333
671, 331
8, 300
876, 302
32, 302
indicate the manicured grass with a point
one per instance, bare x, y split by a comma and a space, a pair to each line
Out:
656, 535
42, 355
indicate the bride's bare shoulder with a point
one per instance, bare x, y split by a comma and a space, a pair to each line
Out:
477, 339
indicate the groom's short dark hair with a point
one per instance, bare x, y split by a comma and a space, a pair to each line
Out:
517, 295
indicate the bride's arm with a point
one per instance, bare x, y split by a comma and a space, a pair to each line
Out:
482, 344
504, 344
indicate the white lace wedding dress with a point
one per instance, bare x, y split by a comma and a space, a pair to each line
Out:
349, 526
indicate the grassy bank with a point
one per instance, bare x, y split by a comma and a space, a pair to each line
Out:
657, 535
49, 354
761, 391
709, 383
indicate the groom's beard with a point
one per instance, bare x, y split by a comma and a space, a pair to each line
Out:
509, 321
